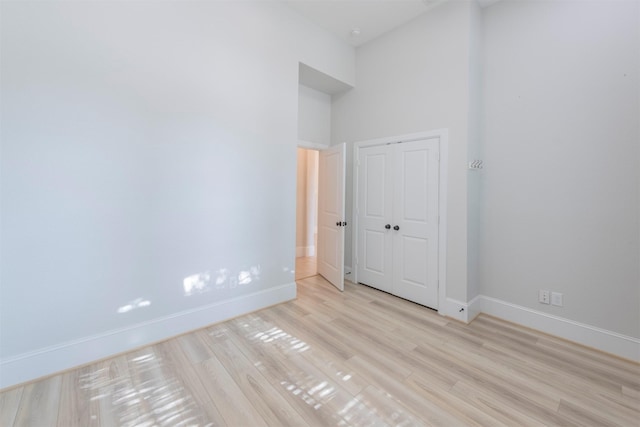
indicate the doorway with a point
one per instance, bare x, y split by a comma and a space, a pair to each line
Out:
307, 213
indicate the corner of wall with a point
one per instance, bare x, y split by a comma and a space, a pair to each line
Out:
604, 340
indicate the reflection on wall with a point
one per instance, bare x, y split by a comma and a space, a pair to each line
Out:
132, 305
117, 182
220, 279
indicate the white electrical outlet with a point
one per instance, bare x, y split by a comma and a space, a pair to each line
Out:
543, 296
556, 299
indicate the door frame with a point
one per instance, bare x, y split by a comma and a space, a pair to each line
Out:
312, 145
309, 145
443, 136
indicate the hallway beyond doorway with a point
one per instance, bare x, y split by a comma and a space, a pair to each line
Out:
306, 267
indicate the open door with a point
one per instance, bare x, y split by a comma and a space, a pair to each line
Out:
331, 217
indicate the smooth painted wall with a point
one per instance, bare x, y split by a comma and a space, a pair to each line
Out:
414, 79
474, 146
314, 116
560, 204
148, 162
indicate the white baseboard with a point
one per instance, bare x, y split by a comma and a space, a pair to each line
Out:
46, 361
611, 342
455, 309
474, 308
591, 336
347, 272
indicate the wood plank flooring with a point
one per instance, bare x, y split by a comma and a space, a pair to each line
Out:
358, 358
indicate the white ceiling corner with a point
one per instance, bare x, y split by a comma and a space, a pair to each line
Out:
371, 17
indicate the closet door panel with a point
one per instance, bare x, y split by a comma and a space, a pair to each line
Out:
375, 181
415, 213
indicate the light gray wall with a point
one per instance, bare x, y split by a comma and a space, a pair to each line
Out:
416, 78
560, 206
143, 143
314, 116
474, 178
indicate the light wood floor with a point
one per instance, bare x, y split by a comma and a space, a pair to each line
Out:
361, 357
306, 267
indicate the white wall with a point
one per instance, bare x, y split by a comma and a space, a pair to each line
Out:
413, 79
314, 116
147, 175
474, 178
561, 146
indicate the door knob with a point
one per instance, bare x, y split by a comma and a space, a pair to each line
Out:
338, 224
395, 227
388, 226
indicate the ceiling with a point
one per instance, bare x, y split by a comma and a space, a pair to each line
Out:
371, 18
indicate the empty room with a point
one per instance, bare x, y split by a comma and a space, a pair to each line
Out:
314, 213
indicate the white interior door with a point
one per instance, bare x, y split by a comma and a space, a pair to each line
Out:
331, 217
415, 215
375, 203
397, 212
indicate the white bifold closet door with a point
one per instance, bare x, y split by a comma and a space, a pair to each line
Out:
398, 219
